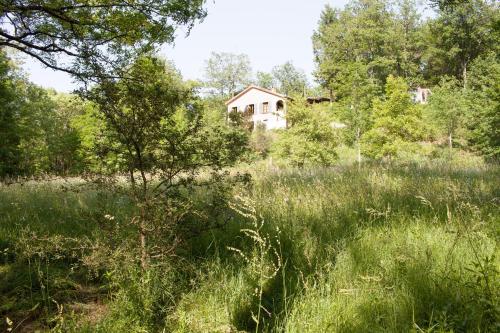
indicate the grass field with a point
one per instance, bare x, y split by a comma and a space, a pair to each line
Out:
381, 249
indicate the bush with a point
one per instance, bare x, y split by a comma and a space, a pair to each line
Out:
310, 140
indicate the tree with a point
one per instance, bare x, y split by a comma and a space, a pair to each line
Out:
9, 127
289, 79
226, 73
483, 118
462, 31
397, 123
156, 122
265, 80
35, 137
89, 38
448, 107
310, 140
406, 44
355, 93
64, 139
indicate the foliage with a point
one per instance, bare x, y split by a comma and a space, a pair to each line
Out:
265, 80
483, 121
37, 124
95, 38
289, 79
462, 31
157, 126
226, 73
98, 152
310, 139
261, 140
365, 32
447, 110
9, 131
397, 123
391, 249
355, 92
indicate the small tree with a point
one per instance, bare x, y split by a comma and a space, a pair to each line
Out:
447, 107
483, 119
397, 123
261, 140
265, 80
311, 138
156, 122
226, 73
355, 92
290, 80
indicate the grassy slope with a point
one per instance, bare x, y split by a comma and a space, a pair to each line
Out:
394, 249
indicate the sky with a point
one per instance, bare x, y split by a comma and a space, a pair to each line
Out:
270, 32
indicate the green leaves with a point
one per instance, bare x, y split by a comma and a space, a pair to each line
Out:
397, 123
311, 138
93, 38
226, 73
289, 80
483, 120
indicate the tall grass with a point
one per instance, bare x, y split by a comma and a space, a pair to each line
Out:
381, 249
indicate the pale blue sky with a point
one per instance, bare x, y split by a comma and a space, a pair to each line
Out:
270, 32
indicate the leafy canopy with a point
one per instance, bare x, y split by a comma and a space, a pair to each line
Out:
311, 138
89, 38
397, 123
226, 73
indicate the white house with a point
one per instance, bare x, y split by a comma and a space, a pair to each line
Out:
261, 106
421, 95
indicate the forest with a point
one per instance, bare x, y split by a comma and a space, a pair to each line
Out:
137, 203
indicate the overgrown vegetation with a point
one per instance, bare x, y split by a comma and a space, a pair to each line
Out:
140, 204
398, 249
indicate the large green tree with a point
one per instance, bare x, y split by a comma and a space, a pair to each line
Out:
370, 32
9, 127
226, 73
265, 80
397, 123
462, 31
447, 109
35, 128
289, 79
157, 125
483, 119
355, 92
92, 38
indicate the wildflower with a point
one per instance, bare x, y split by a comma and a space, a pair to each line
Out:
109, 217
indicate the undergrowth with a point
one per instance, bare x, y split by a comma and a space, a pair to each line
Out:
381, 249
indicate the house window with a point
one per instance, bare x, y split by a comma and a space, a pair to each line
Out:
234, 109
265, 107
250, 109
279, 105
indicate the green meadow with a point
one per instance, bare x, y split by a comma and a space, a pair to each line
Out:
379, 249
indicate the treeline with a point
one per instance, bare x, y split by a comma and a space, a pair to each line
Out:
370, 55
46, 132
455, 53
37, 126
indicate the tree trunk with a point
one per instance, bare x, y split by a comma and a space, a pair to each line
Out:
142, 244
464, 74
358, 142
450, 141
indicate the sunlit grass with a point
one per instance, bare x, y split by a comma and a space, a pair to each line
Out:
381, 249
